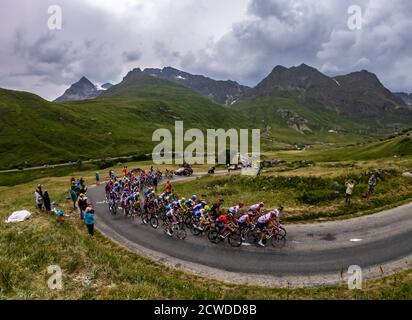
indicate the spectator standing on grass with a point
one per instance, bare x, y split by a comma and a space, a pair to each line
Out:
372, 182
350, 185
89, 220
82, 204
83, 189
168, 187
97, 178
155, 182
46, 201
39, 189
39, 199
73, 196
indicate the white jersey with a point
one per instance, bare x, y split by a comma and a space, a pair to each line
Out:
170, 213
243, 218
234, 209
255, 207
265, 218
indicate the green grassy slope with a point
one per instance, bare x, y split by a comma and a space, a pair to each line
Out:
264, 112
395, 147
38, 131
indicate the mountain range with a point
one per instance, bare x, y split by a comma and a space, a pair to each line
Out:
297, 105
358, 94
82, 90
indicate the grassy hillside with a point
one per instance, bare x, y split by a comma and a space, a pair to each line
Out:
121, 122
400, 146
34, 131
266, 112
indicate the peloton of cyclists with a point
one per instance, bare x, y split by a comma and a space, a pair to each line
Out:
134, 190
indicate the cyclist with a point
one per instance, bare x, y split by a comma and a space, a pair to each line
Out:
255, 209
172, 217
244, 221
215, 210
236, 209
197, 209
222, 223
265, 220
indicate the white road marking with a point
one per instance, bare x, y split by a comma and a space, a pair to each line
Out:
355, 240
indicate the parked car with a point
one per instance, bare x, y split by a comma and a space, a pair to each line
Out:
184, 171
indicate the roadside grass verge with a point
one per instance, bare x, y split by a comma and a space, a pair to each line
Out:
308, 193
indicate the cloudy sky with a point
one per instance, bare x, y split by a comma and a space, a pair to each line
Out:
233, 39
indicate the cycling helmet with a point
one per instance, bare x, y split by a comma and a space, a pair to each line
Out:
207, 208
168, 207
194, 197
261, 204
183, 199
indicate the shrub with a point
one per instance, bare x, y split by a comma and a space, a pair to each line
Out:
105, 164
141, 157
318, 196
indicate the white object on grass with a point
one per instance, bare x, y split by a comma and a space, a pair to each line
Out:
18, 216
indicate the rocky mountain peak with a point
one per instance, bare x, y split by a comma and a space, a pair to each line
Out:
221, 91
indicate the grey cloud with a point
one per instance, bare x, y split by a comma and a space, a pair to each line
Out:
131, 56
315, 32
103, 45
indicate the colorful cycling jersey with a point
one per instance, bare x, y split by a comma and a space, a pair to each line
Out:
265, 218
190, 203
275, 213
170, 213
222, 218
198, 207
234, 209
244, 218
255, 207
130, 198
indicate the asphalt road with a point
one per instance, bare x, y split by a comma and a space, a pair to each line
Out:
310, 250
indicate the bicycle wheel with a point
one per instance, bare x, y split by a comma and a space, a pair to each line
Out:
154, 222
188, 221
213, 235
138, 211
195, 230
235, 239
145, 218
278, 241
181, 234
282, 232
251, 236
